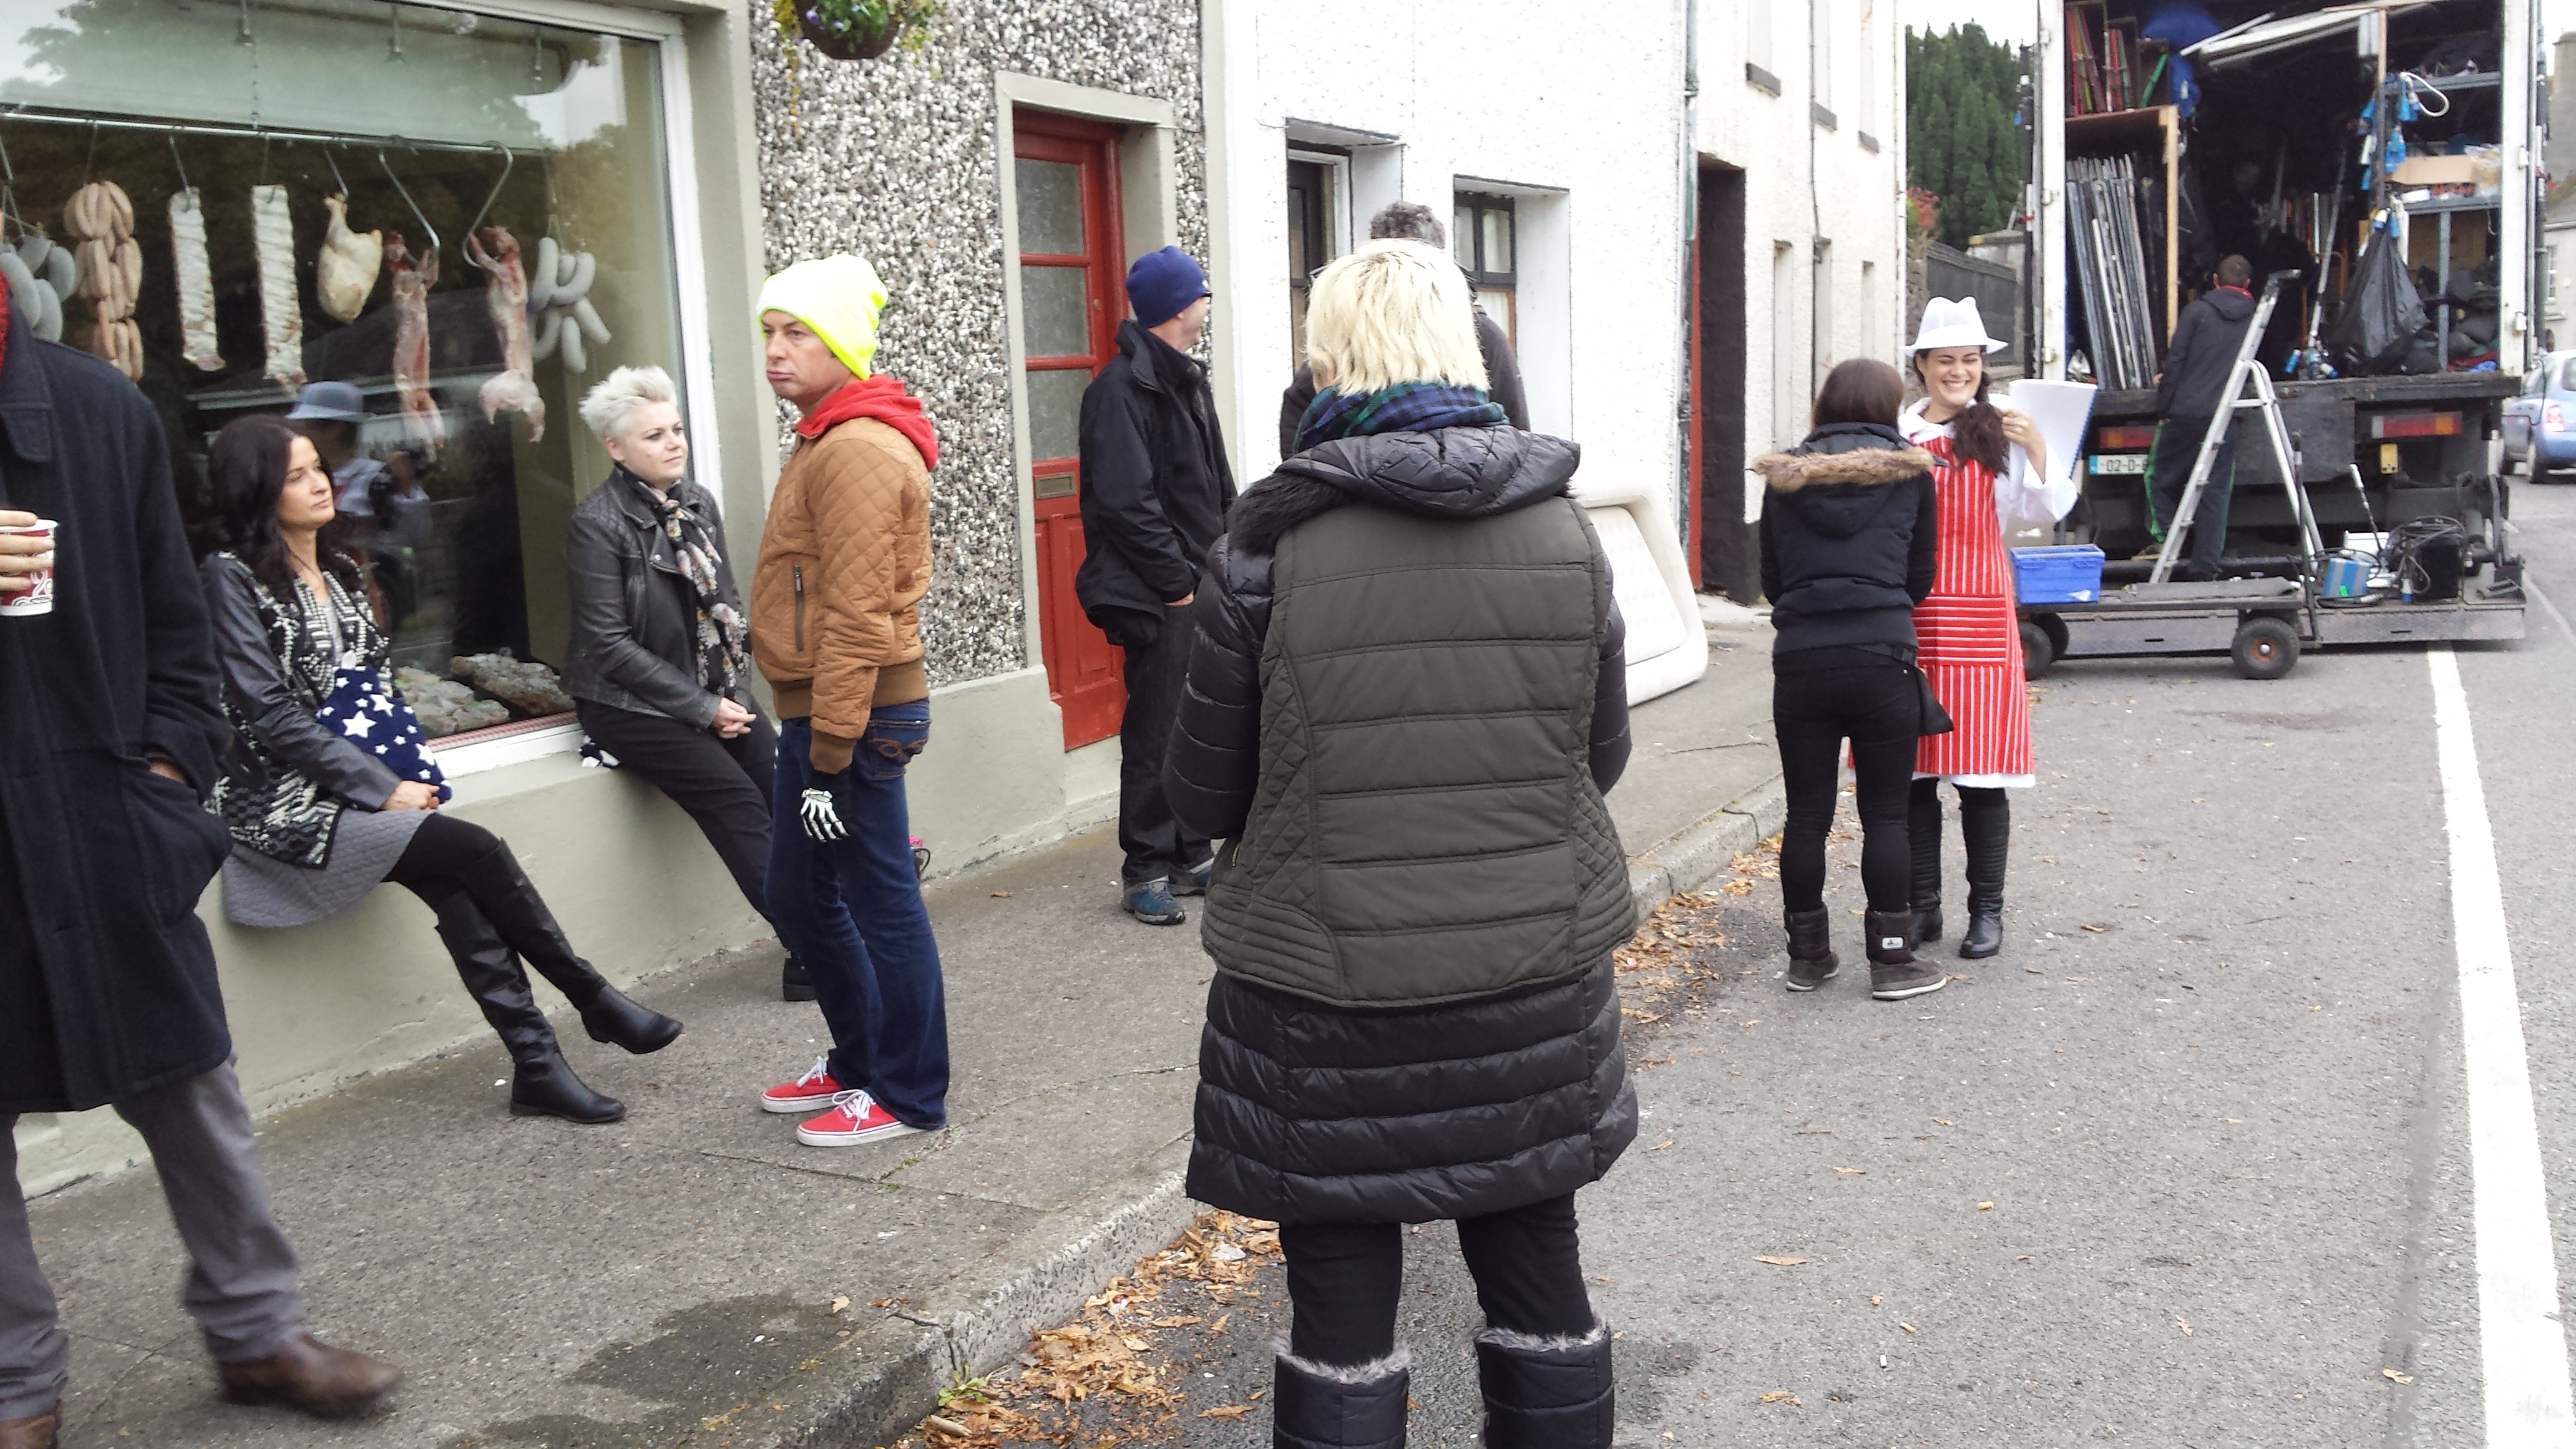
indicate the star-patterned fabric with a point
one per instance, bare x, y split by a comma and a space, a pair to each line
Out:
362, 707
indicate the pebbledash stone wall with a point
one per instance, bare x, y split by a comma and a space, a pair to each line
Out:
896, 159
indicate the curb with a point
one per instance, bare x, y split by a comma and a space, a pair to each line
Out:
889, 1376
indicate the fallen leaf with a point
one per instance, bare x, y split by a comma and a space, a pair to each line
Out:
950, 1427
1985, 1207
1222, 1320
1001, 895
2097, 930
2394, 1377
1853, 1171
1908, 1327
839, 1302
1757, 1021
2184, 1325
1780, 1262
1782, 1396
1944, 1121
1875, 1299
1226, 1411
1660, 1146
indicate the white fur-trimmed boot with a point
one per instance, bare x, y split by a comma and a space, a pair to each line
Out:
1321, 1406
1546, 1393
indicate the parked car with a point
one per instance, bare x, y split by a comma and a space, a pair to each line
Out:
2540, 425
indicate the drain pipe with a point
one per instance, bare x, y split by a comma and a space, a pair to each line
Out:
1686, 419
1817, 278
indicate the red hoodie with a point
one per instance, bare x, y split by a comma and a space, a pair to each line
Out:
883, 398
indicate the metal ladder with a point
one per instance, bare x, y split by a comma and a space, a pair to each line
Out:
2236, 399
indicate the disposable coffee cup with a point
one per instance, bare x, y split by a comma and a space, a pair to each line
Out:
39, 599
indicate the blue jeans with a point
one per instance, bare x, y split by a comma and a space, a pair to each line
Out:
852, 912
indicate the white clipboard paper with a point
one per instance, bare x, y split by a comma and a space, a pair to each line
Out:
2059, 410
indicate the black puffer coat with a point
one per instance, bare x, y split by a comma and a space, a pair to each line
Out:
1405, 698
1850, 537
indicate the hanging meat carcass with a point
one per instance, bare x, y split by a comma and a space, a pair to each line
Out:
514, 388
422, 421
281, 312
196, 281
101, 218
346, 268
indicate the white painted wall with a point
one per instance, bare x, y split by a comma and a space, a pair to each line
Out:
1806, 182
1580, 107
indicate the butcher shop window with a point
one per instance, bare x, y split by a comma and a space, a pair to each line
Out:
464, 217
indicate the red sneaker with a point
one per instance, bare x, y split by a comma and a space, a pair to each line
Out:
814, 1089
855, 1118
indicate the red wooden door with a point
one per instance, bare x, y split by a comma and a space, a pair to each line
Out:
1072, 297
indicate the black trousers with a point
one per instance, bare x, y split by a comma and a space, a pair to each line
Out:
1157, 845
723, 784
2177, 448
1344, 1280
1879, 708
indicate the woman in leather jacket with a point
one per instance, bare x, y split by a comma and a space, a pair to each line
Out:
318, 817
659, 665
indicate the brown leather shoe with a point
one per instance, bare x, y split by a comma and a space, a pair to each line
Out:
312, 1376
34, 1432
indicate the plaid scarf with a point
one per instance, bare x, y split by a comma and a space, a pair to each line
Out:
1407, 407
723, 635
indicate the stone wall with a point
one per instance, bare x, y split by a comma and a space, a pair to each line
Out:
896, 159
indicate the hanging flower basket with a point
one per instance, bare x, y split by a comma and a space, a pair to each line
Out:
859, 29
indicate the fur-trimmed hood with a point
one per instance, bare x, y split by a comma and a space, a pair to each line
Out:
1789, 472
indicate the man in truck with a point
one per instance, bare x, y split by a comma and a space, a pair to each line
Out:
2189, 393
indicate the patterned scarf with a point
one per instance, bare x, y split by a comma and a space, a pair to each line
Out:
1407, 407
723, 635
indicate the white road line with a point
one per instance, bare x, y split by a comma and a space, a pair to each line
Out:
2533, 586
2524, 1347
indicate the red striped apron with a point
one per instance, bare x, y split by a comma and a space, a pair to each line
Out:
1969, 636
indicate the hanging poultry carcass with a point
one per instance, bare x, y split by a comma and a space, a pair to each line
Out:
281, 312
422, 421
347, 265
514, 388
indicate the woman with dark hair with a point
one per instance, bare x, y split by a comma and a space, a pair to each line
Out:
326, 788
1993, 475
1848, 532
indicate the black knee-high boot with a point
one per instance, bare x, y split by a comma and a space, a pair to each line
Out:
542, 1083
511, 900
1923, 829
1985, 824
1324, 1406
1546, 1393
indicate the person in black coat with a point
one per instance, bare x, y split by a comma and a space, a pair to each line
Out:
659, 662
1850, 538
2189, 395
110, 737
1155, 489
1412, 221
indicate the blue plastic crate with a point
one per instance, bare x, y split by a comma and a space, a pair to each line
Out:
2068, 575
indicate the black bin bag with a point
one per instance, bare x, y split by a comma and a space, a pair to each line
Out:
2382, 312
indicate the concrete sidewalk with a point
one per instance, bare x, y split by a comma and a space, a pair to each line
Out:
692, 1275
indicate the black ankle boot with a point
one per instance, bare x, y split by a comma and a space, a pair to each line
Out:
1317, 1406
793, 983
1546, 1393
1894, 974
1986, 824
1811, 948
506, 895
1923, 833
541, 1081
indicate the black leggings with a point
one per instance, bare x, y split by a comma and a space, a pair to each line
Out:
1344, 1280
1985, 823
1879, 708
441, 851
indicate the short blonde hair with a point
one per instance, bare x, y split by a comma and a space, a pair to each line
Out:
1393, 311
606, 408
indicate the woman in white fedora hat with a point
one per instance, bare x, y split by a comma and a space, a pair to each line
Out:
1991, 474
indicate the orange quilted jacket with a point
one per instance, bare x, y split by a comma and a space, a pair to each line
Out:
836, 598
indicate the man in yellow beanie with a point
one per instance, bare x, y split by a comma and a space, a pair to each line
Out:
836, 628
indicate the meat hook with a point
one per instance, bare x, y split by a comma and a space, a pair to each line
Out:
405, 193
509, 159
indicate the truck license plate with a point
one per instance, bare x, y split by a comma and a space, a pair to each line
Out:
2120, 463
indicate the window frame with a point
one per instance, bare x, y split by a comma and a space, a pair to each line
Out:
1484, 282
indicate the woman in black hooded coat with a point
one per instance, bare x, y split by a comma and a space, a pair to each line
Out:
1406, 695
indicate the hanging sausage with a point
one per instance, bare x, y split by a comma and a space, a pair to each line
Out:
281, 312
42, 277
505, 297
347, 266
101, 218
196, 281
559, 305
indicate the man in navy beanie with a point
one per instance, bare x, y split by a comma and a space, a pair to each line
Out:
1155, 488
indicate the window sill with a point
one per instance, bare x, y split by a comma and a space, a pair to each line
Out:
1868, 142
1761, 80
1823, 117
504, 745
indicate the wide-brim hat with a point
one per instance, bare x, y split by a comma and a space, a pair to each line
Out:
336, 402
1952, 323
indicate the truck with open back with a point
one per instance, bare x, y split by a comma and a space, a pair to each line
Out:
2167, 135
